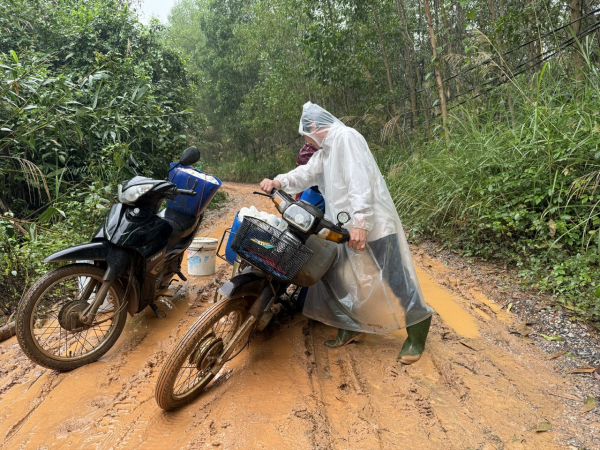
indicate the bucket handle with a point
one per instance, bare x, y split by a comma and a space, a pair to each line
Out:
187, 183
195, 251
199, 249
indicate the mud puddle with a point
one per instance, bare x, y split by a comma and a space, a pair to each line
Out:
478, 386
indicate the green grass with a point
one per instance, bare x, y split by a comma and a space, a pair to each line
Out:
219, 200
522, 187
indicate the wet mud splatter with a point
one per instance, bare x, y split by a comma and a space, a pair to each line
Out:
478, 386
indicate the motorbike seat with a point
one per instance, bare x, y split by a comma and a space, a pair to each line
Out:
183, 225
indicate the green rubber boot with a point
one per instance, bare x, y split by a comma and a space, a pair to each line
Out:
415, 343
343, 337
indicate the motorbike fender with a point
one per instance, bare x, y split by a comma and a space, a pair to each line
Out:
117, 259
95, 251
133, 294
249, 283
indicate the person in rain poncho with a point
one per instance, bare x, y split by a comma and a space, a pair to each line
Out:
372, 286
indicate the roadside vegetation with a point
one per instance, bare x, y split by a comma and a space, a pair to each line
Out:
82, 86
521, 188
482, 114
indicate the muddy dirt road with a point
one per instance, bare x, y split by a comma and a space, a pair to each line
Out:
478, 386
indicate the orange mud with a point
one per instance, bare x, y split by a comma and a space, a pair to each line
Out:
476, 387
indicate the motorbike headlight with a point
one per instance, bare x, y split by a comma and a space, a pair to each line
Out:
133, 193
299, 218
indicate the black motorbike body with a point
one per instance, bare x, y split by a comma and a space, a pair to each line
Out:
139, 246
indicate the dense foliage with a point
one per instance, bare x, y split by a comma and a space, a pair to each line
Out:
374, 63
483, 144
479, 147
82, 86
526, 193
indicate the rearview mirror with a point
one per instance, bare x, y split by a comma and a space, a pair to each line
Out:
189, 156
133, 163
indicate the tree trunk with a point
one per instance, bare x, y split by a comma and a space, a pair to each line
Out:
447, 46
386, 61
575, 6
346, 108
436, 69
492, 9
531, 47
422, 44
501, 8
408, 60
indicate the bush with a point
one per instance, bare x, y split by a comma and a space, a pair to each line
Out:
525, 193
68, 222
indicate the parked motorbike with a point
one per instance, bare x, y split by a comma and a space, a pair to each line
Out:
74, 314
272, 261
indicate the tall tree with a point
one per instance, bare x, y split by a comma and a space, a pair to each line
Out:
575, 7
437, 70
408, 51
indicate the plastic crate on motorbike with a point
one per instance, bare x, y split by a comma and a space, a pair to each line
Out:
187, 177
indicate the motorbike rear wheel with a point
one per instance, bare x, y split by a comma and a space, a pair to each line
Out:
192, 365
48, 330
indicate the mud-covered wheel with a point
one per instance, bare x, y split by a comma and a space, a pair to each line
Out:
48, 329
193, 364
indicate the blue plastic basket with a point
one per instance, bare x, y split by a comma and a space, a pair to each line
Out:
192, 206
314, 197
230, 254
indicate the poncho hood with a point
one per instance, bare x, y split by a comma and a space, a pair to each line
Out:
316, 122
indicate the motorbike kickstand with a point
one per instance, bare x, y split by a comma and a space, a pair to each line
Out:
160, 314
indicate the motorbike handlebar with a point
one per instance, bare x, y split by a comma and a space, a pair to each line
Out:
343, 235
337, 233
189, 192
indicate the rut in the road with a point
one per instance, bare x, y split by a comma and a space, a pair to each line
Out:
477, 386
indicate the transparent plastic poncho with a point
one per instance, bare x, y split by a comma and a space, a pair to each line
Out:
375, 290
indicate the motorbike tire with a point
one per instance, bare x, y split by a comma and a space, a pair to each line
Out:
165, 394
25, 314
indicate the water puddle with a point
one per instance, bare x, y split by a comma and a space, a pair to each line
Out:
449, 310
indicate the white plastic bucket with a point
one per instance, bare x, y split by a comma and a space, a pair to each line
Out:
202, 255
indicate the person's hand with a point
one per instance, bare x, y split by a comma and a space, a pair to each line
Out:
358, 239
268, 185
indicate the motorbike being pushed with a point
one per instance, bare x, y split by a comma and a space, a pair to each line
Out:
271, 261
74, 314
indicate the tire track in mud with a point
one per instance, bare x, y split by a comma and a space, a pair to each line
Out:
356, 381
321, 428
54, 379
288, 390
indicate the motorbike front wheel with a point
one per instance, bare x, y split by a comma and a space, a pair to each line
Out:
48, 330
193, 364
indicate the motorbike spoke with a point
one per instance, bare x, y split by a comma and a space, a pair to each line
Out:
52, 337
189, 375
179, 386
